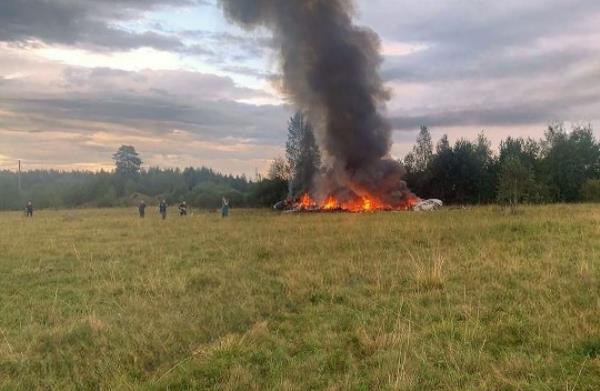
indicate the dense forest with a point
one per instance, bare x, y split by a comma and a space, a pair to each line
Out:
564, 166
201, 187
129, 183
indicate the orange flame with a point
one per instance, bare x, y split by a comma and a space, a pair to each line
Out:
306, 202
330, 203
366, 203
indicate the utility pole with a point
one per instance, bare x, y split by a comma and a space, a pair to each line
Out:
19, 177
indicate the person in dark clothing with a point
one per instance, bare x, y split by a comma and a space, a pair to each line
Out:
142, 209
29, 209
183, 209
162, 208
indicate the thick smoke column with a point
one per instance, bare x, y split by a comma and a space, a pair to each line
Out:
330, 71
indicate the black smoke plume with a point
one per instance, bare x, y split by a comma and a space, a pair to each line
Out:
330, 71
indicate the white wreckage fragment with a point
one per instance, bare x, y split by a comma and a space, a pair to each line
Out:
428, 205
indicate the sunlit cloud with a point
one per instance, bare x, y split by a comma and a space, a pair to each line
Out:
134, 60
394, 48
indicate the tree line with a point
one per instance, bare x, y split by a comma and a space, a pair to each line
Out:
129, 184
200, 187
564, 166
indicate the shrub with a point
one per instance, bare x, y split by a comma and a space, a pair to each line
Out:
590, 190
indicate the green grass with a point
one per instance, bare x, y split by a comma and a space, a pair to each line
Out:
454, 300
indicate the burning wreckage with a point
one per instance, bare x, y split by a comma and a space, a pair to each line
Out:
330, 72
363, 204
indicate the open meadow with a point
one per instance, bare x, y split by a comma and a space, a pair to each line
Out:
476, 299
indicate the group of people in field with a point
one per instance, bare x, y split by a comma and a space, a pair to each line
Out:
183, 208
162, 208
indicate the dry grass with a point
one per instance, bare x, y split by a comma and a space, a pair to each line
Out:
429, 274
474, 299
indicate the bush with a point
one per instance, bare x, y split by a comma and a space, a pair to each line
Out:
269, 191
590, 190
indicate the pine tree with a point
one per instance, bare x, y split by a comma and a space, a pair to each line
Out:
127, 161
423, 150
303, 155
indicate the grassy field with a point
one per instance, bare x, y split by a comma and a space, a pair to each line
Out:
454, 300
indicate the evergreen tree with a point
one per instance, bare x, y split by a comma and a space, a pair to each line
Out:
303, 155
127, 161
443, 144
486, 176
423, 150
417, 162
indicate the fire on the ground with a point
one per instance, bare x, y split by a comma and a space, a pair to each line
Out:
359, 204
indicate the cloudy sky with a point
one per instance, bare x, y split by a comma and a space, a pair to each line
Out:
78, 78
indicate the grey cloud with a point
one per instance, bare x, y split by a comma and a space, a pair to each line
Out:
209, 130
221, 47
80, 100
227, 38
84, 23
97, 25
448, 65
479, 39
248, 71
211, 120
477, 24
491, 63
178, 85
518, 113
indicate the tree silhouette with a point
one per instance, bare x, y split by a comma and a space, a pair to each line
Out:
303, 155
127, 161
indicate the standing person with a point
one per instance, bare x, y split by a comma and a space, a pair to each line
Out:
29, 209
183, 209
224, 207
142, 209
162, 208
